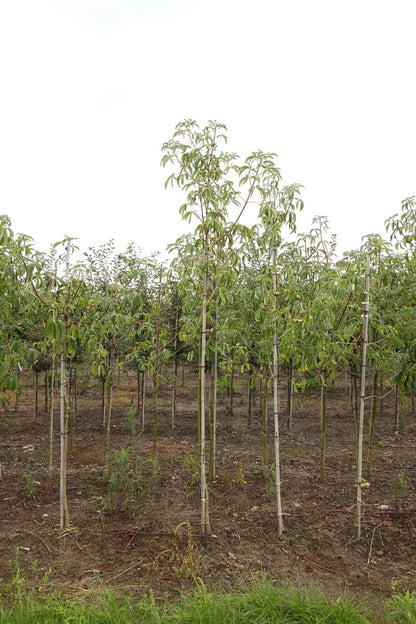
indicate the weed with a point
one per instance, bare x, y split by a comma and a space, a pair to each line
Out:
400, 487
131, 421
402, 609
29, 485
128, 478
190, 469
184, 557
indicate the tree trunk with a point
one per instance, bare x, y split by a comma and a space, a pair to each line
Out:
36, 394
372, 422
362, 393
138, 379
280, 527
264, 416
213, 409
231, 390
109, 402
51, 414
205, 524
143, 400
290, 395
324, 401
396, 408
154, 438
103, 405
249, 399
46, 380
175, 371
64, 411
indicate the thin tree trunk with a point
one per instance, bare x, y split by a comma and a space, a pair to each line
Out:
381, 409
138, 378
143, 400
17, 395
175, 371
51, 414
280, 527
372, 422
232, 391
213, 407
103, 405
108, 415
397, 408
205, 524
36, 394
110, 384
46, 380
324, 401
157, 372
155, 397
362, 393
64, 412
249, 400
264, 415
75, 394
290, 395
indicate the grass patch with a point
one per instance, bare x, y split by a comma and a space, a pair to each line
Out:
260, 603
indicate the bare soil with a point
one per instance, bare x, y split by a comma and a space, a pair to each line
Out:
154, 541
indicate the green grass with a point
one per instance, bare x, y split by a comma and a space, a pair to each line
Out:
260, 603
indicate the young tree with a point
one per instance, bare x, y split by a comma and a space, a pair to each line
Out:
214, 183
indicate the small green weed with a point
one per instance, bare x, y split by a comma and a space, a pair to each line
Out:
128, 478
29, 485
131, 421
400, 487
190, 469
402, 609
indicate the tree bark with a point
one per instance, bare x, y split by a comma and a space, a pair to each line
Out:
362, 393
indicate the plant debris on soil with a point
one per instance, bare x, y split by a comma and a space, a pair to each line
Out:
153, 540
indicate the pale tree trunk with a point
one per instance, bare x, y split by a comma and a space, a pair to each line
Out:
290, 395
109, 401
381, 410
280, 527
46, 379
17, 395
36, 394
155, 397
156, 373
396, 408
64, 411
264, 416
324, 400
249, 399
138, 379
175, 371
362, 393
51, 413
205, 524
213, 406
109, 404
103, 405
143, 400
231, 390
372, 422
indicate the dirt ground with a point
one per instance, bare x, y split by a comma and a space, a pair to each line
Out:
154, 542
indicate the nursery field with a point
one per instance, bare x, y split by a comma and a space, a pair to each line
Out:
135, 525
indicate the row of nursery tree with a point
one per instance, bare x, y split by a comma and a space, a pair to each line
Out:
233, 299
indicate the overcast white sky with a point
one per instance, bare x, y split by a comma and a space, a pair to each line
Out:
90, 89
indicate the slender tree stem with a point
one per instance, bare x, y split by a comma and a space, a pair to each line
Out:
362, 393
